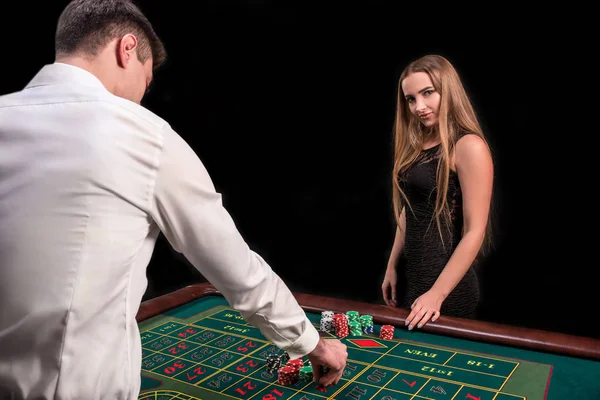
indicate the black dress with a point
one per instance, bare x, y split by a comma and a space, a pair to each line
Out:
424, 254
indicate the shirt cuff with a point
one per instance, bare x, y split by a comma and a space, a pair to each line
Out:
305, 344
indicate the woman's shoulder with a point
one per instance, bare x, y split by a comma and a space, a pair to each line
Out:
471, 149
470, 139
469, 143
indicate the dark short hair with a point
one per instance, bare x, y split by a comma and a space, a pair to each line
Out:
86, 26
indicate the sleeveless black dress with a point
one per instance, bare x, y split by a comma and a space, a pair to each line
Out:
424, 254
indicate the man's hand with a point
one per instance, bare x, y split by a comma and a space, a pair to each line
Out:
332, 354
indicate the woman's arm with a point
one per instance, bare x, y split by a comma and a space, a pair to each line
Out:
474, 167
391, 277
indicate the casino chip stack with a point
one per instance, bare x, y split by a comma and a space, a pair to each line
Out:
327, 321
287, 375
355, 328
354, 323
285, 357
387, 332
273, 363
366, 322
296, 364
352, 316
306, 373
340, 323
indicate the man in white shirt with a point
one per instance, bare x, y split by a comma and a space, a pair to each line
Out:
88, 179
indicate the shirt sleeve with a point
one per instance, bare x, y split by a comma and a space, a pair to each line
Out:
191, 215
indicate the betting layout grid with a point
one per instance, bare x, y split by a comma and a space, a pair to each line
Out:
223, 354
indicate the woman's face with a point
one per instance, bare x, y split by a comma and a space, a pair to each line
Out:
422, 98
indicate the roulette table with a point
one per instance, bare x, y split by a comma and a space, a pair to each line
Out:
195, 346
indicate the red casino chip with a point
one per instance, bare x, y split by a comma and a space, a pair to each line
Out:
287, 376
296, 364
387, 332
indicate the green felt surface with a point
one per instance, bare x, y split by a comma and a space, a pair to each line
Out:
205, 350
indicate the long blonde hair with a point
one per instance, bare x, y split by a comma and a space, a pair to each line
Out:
456, 116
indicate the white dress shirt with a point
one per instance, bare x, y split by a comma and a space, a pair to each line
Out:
87, 182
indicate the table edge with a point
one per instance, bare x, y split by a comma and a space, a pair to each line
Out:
482, 331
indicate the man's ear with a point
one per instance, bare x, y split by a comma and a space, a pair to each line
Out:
126, 50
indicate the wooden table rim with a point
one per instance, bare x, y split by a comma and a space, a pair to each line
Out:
481, 331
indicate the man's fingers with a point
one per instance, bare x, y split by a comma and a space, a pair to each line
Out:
329, 362
331, 378
325, 381
317, 373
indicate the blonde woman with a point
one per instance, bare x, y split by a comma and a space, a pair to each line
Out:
442, 192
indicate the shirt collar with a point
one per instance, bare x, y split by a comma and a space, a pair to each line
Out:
59, 73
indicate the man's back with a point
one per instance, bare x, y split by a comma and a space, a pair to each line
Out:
87, 182
77, 167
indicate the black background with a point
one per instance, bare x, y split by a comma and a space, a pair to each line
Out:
290, 106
